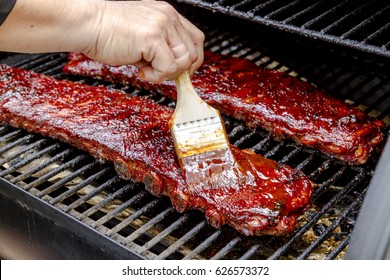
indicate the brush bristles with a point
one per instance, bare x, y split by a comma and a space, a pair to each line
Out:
199, 136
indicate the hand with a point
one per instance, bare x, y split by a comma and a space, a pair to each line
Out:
150, 34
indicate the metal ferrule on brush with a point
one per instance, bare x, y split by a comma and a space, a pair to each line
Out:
199, 136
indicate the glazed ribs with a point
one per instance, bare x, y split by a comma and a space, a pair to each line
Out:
282, 104
133, 133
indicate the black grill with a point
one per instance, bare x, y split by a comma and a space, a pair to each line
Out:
362, 25
127, 222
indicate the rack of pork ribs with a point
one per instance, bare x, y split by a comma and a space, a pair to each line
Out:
284, 105
133, 133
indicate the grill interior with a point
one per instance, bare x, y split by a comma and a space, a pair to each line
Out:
361, 25
89, 191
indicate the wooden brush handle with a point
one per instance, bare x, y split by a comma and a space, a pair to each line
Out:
189, 105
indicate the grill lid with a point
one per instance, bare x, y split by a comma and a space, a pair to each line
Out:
371, 235
361, 25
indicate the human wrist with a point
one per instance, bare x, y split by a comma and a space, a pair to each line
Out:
80, 24
87, 25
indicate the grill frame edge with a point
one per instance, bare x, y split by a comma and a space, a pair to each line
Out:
38, 238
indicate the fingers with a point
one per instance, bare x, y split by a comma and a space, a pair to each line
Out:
166, 64
152, 35
197, 38
184, 41
172, 55
162, 64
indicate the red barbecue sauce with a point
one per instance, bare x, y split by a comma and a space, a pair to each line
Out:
259, 197
284, 105
216, 169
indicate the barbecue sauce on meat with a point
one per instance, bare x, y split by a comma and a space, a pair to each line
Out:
133, 133
216, 169
282, 104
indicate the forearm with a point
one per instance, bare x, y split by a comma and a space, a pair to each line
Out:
48, 26
150, 34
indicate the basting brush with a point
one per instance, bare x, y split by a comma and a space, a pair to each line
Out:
200, 139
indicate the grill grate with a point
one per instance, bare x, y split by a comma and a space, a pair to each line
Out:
123, 211
361, 25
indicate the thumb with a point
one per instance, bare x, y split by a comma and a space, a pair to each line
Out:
150, 74
161, 67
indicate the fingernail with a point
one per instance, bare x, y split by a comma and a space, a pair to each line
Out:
141, 74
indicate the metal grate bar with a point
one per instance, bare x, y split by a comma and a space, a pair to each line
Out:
255, 57
256, 247
26, 174
79, 186
274, 150
324, 76
230, 44
29, 159
324, 166
377, 102
241, 140
373, 89
290, 155
309, 23
220, 2
322, 187
9, 135
181, 241
304, 11
281, 9
347, 80
30, 62
259, 146
11, 159
305, 162
236, 130
251, 251
344, 18
202, 246
339, 248
384, 113
377, 33
237, 48
48, 66
54, 71
212, 36
88, 196
134, 216
149, 224
164, 233
325, 20
55, 171
23, 140
116, 210
315, 218
66, 179
334, 225
363, 23
215, 41
385, 46
240, 3
226, 249
356, 88
262, 6
106, 201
